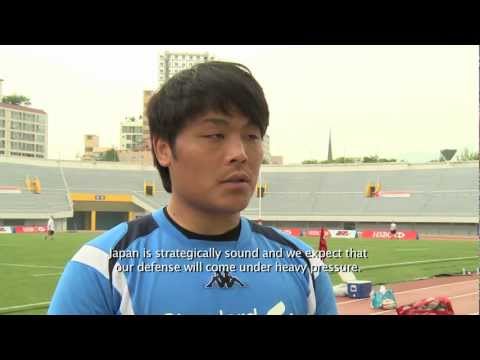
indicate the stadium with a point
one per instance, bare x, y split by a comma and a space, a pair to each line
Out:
431, 199
434, 205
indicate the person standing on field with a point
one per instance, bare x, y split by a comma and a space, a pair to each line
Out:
50, 228
322, 246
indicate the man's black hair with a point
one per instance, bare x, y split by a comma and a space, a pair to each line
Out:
210, 86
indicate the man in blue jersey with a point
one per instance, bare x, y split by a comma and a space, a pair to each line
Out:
198, 255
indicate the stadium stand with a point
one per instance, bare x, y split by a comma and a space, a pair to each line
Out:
52, 199
442, 194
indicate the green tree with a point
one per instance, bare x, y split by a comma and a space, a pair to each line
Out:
467, 155
16, 100
109, 155
344, 160
350, 160
370, 159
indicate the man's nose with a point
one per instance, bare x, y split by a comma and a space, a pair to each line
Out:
236, 150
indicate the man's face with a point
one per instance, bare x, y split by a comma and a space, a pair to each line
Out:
216, 163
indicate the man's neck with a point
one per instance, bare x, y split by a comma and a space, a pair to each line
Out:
201, 222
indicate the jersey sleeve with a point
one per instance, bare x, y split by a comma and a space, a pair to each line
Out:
84, 289
325, 298
85, 286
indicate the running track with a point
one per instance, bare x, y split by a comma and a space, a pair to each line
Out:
462, 291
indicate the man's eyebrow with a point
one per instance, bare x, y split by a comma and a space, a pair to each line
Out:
215, 121
223, 122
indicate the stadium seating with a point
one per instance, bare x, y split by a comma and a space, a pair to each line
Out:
434, 191
51, 199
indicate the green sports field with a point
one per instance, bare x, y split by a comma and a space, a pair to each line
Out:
30, 266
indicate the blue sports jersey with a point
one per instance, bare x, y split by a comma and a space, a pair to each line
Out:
151, 266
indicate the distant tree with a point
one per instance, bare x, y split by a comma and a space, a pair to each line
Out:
370, 159
467, 155
310, 162
16, 100
344, 160
350, 160
109, 155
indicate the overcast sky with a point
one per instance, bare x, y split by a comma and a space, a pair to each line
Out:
406, 102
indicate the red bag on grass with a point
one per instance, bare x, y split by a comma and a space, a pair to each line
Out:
439, 305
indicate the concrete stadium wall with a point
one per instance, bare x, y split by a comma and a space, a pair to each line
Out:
105, 206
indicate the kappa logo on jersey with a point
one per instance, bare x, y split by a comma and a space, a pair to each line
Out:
222, 279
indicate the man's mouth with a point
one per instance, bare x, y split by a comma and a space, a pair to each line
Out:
237, 178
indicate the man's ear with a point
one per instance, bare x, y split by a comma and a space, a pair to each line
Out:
163, 152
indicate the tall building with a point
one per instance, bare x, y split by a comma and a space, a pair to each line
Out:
147, 94
94, 152
170, 63
131, 133
23, 131
91, 143
267, 157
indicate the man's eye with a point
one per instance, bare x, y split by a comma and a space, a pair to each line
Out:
215, 136
253, 137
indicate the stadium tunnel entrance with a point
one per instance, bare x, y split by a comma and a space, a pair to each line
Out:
93, 212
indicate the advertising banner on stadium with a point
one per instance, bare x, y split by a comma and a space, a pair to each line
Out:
292, 231
30, 229
5, 230
346, 234
316, 232
378, 234
336, 233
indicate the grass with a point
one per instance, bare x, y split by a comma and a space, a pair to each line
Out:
403, 260
22, 285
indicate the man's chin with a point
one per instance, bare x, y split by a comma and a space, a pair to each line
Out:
232, 207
